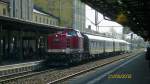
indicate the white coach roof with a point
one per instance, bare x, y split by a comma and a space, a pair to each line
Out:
121, 41
93, 37
98, 38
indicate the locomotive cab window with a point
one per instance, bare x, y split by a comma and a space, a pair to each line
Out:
72, 33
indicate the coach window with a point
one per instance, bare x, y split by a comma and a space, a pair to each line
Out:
94, 44
101, 44
98, 44
91, 44
108, 44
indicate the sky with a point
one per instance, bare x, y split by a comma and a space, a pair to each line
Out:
104, 25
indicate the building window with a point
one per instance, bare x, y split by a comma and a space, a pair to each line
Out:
35, 18
43, 20
50, 22
47, 21
53, 22
56, 23
40, 19
4, 11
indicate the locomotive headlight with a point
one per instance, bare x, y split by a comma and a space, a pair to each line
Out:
56, 35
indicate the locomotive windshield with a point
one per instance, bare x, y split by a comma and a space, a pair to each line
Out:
72, 33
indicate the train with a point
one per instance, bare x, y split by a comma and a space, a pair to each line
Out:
71, 46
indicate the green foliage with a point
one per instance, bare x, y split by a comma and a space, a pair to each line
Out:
59, 8
42, 4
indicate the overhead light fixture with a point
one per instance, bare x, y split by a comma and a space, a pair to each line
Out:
119, 1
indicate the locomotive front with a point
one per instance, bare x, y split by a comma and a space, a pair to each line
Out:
68, 41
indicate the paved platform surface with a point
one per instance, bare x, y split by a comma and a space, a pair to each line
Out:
136, 69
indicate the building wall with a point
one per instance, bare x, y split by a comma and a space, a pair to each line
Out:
44, 19
62, 9
78, 15
21, 9
3, 9
71, 13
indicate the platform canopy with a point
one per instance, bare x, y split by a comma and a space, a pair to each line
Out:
132, 13
22, 25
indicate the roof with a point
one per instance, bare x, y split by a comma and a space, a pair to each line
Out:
136, 11
39, 10
93, 37
13, 23
6, 1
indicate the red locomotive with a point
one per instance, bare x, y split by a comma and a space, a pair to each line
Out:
67, 41
65, 44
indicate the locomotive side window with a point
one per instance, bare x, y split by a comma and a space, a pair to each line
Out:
91, 44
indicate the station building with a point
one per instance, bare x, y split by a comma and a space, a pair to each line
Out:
40, 16
21, 9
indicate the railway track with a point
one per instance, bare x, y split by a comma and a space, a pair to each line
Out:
10, 71
85, 71
38, 78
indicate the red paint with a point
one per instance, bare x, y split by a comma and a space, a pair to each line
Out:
65, 39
